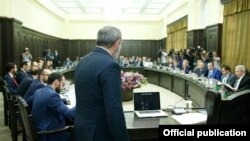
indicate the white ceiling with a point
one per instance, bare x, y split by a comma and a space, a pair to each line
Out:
136, 10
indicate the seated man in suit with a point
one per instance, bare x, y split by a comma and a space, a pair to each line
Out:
227, 76
26, 82
48, 110
243, 80
201, 69
10, 77
37, 84
185, 67
213, 72
23, 72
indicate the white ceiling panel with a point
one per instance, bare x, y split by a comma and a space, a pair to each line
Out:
123, 8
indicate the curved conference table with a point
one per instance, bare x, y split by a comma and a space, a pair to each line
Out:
184, 86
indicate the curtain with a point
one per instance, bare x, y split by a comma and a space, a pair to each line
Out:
235, 34
176, 34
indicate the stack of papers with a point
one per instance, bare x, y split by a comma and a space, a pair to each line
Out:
190, 118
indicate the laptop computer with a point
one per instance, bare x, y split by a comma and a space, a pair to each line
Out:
147, 104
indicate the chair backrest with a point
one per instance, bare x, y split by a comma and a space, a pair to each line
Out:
30, 129
3, 82
212, 102
235, 109
232, 110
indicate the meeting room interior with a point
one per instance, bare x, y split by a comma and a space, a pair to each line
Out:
192, 53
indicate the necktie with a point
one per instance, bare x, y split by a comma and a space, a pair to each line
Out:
15, 82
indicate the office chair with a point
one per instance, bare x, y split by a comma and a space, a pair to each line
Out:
30, 129
232, 110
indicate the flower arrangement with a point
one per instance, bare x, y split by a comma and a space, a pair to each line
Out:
131, 80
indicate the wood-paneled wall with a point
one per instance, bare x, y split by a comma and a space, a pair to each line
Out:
16, 37
209, 38
1, 63
195, 38
214, 38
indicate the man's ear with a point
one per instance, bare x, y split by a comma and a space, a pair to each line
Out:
117, 43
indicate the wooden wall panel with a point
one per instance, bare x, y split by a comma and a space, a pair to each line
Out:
15, 38
1, 63
195, 38
214, 38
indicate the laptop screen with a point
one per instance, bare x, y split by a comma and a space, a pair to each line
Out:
146, 101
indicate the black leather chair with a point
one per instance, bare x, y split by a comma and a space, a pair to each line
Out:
212, 102
231, 110
31, 132
5, 102
13, 114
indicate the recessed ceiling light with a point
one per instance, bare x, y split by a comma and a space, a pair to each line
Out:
156, 5
160, 1
67, 4
72, 10
93, 10
152, 11
132, 11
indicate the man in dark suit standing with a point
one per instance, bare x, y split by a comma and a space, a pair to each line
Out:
99, 112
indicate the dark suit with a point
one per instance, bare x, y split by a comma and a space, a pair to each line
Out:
199, 72
231, 79
56, 61
99, 112
11, 85
244, 83
24, 86
21, 75
216, 74
35, 85
49, 112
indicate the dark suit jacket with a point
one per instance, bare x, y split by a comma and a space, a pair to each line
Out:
231, 79
200, 72
49, 112
24, 86
244, 83
216, 74
99, 112
35, 85
21, 75
11, 85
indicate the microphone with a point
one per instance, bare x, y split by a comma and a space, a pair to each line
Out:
178, 110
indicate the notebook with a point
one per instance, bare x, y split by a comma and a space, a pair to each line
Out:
147, 104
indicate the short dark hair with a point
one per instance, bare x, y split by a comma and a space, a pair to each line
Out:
25, 63
226, 67
54, 76
10, 66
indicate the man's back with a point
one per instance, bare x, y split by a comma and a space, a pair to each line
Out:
35, 85
99, 113
49, 112
24, 86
